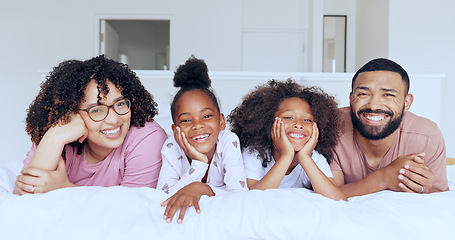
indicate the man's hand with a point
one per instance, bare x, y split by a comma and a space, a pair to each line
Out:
392, 171
409, 173
417, 177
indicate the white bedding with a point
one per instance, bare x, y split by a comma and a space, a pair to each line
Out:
135, 213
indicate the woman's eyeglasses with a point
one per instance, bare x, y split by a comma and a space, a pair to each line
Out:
99, 112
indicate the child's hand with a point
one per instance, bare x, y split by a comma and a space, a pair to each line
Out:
281, 142
189, 150
310, 144
185, 197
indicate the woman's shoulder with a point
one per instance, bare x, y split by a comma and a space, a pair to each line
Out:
148, 128
152, 126
151, 131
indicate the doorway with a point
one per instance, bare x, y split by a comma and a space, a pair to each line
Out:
334, 45
142, 44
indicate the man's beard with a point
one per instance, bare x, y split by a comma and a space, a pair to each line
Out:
375, 133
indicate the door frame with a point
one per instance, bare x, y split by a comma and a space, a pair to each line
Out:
100, 17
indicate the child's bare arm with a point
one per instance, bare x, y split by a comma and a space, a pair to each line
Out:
281, 145
321, 184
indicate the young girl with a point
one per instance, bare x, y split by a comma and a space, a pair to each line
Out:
91, 125
276, 124
202, 158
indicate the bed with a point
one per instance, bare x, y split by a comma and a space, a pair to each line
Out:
135, 213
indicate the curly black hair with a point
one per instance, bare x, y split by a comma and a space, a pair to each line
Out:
193, 75
254, 117
63, 91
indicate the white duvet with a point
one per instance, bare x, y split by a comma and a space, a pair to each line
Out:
135, 213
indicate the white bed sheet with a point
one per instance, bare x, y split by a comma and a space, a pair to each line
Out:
135, 213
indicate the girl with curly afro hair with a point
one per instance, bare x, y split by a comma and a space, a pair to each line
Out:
91, 125
202, 158
286, 130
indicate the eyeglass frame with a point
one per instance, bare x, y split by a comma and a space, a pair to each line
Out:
108, 108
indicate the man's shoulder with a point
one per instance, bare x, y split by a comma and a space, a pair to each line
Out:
413, 123
346, 121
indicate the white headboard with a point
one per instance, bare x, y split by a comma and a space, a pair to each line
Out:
231, 87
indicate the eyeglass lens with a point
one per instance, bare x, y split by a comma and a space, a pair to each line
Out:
98, 113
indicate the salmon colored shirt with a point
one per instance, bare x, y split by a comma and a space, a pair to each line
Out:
415, 135
136, 163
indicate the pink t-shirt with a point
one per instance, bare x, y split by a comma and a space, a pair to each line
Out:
416, 134
136, 163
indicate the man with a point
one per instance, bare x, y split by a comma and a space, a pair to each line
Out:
383, 145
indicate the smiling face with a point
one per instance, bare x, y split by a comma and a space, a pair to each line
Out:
378, 102
297, 119
109, 133
198, 117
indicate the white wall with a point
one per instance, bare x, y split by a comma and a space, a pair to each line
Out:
348, 8
39, 34
421, 39
275, 35
372, 37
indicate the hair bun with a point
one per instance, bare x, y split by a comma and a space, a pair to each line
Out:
192, 74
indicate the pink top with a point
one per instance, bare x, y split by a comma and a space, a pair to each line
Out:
136, 163
416, 134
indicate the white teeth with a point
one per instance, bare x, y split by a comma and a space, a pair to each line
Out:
375, 118
296, 135
113, 131
201, 137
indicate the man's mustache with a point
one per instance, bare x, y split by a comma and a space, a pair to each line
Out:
375, 111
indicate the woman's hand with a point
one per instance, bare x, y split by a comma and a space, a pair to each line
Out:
50, 148
74, 130
35, 180
281, 142
307, 150
189, 150
185, 197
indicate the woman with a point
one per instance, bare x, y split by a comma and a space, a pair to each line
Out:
91, 125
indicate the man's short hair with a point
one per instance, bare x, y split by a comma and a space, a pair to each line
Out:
383, 64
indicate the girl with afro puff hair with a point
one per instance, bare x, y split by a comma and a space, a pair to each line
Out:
202, 158
286, 130
91, 125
